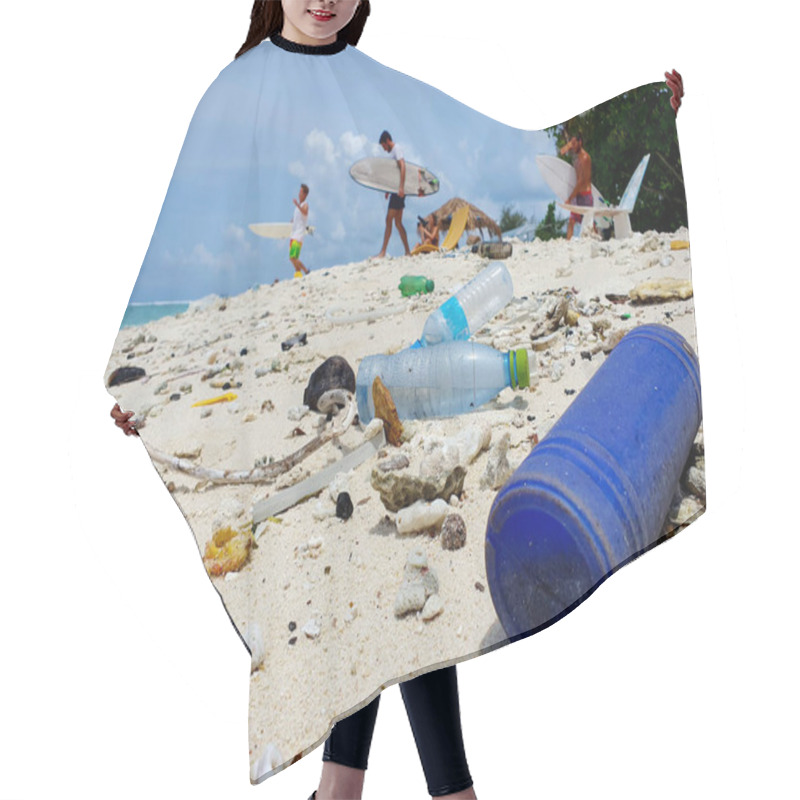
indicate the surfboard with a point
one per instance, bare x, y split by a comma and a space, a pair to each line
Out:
275, 230
457, 226
383, 175
561, 178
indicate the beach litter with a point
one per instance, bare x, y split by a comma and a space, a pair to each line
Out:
228, 551
661, 290
223, 398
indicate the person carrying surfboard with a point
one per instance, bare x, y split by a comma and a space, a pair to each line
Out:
582, 193
397, 202
299, 223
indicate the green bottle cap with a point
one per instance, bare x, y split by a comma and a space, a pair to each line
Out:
519, 369
429, 286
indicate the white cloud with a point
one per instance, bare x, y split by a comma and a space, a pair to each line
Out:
318, 143
352, 144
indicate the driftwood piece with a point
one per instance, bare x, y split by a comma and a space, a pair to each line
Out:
329, 402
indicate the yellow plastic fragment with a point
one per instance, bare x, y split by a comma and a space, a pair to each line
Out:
223, 398
679, 244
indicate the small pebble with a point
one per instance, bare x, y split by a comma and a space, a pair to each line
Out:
344, 506
454, 532
292, 627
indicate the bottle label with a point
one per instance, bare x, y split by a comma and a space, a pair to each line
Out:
455, 318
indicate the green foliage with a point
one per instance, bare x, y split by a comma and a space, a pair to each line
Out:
617, 134
550, 227
510, 219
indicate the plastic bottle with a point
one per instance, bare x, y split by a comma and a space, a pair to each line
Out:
453, 378
595, 492
415, 284
470, 307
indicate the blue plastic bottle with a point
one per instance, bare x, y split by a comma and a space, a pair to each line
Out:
453, 378
470, 307
596, 491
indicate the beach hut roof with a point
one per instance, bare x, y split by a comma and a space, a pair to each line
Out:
477, 219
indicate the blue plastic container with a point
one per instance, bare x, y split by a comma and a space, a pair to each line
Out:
595, 492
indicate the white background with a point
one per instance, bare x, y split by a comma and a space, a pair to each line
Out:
120, 675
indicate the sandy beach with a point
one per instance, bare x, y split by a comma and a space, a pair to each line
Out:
316, 596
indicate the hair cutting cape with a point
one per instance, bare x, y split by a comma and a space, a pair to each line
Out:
351, 553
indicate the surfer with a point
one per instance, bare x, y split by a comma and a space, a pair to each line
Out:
582, 193
397, 201
299, 223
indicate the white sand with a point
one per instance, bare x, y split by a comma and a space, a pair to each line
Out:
349, 583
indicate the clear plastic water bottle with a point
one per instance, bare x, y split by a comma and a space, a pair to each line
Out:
470, 308
453, 378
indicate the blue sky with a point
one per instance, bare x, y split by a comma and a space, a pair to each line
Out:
274, 119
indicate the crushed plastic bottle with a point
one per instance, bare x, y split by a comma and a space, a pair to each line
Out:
453, 378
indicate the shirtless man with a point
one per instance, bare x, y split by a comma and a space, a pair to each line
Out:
397, 202
582, 194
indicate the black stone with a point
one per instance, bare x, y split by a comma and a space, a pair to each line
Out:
334, 373
344, 506
128, 374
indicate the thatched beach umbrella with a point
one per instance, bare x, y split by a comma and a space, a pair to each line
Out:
477, 220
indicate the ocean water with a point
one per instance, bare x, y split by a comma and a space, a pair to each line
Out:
141, 313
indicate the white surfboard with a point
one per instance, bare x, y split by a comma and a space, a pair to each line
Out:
383, 174
561, 177
620, 215
275, 230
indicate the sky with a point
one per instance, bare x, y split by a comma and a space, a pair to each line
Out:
273, 120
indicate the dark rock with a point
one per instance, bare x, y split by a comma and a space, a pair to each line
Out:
344, 506
174, 397
586, 355
126, 375
334, 373
243, 351
479, 586
293, 640
454, 532
292, 627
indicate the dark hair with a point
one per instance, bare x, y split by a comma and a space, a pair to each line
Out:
304, 187
266, 19
385, 137
579, 136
